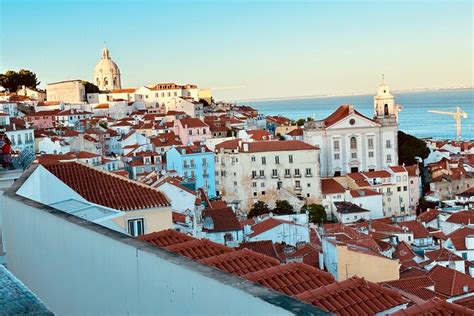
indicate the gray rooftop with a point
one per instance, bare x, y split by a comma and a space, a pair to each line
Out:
16, 298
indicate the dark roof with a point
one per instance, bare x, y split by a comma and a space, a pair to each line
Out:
347, 208
265, 247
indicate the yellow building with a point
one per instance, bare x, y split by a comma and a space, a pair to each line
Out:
344, 261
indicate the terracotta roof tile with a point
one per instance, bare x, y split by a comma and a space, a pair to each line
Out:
223, 220
462, 217
198, 249
241, 262
442, 254
428, 215
165, 238
265, 247
292, 278
331, 186
354, 296
107, 189
458, 237
435, 307
340, 113
450, 282
192, 122
419, 231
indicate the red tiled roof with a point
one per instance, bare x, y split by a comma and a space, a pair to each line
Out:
462, 217
412, 170
341, 112
291, 278
428, 215
458, 237
354, 296
223, 220
296, 132
126, 90
331, 186
192, 122
411, 272
308, 253
363, 192
198, 249
442, 254
403, 252
265, 247
259, 134
450, 282
398, 169
419, 231
266, 225
377, 174
107, 189
409, 284
165, 238
467, 302
435, 307
241, 262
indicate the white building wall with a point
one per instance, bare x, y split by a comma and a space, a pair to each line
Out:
83, 268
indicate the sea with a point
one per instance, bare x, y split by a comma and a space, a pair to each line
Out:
414, 117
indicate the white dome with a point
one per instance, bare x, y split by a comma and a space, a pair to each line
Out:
107, 73
106, 66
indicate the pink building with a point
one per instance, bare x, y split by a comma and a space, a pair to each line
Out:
42, 119
191, 130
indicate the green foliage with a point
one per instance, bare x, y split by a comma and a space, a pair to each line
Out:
13, 80
103, 125
259, 208
230, 133
300, 122
90, 87
282, 207
317, 213
410, 147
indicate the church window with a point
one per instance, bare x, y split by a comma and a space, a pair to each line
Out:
371, 154
388, 144
336, 156
353, 155
336, 145
353, 143
370, 143
389, 158
352, 121
386, 109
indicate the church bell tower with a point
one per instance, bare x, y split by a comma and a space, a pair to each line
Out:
385, 109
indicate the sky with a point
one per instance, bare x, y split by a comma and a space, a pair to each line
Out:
245, 49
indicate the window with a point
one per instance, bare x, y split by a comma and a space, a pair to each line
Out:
308, 172
336, 156
297, 184
204, 131
264, 160
388, 144
371, 154
274, 173
353, 143
235, 183
353, 155
336, 145
370, 143
277, 160
253, 158
297, 172
262, 184
287, 172
399, 189
290, 158
405, 188
262, 173
254, 174
254, 184
190, 132
398, 178
135, 227
389, 158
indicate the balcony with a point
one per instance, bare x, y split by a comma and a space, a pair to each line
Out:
274, 176
297, 176
287, 175
309, 175
298, 188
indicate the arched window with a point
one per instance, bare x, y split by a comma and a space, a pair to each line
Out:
353, 143
386, 109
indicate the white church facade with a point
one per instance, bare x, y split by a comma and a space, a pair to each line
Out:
351, 142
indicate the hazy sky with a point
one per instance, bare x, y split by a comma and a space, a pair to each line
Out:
246, 49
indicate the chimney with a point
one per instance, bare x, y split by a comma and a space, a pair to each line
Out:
246, 147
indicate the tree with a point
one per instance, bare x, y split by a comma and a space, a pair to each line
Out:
300, 122
424, 205
410, 147
282, 207
13, 80
317, 213
259, 208
90, 87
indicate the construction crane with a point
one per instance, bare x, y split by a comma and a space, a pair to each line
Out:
458, 116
